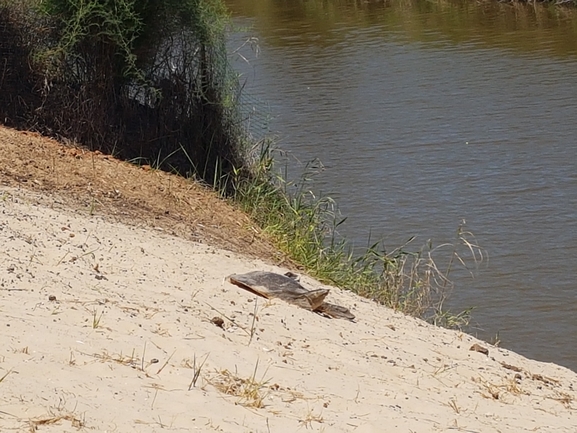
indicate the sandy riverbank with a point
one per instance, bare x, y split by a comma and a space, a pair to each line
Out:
109, 307
132, 308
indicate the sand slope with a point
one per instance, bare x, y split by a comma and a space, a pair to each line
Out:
132, 312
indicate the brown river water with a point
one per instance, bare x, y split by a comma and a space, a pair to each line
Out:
427, 113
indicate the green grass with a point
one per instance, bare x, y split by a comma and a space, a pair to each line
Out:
305, 227
96, 318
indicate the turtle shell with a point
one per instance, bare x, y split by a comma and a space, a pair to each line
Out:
271, 285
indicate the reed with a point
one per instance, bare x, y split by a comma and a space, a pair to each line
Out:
305, 227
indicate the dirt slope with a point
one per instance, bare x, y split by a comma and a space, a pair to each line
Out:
97, 184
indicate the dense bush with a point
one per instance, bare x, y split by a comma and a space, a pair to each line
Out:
148, 80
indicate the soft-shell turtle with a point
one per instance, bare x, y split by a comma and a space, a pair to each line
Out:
270, 285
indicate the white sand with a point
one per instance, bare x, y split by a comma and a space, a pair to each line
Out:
125, 293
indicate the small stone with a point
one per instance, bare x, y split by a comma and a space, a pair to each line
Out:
478, 348
218, 322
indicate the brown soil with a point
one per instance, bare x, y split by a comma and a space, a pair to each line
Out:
98, 184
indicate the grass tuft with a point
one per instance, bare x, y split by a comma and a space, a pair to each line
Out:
76, 422
96, 318
196, 371
251, 392
309, 418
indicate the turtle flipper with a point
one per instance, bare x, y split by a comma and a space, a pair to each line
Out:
335, 311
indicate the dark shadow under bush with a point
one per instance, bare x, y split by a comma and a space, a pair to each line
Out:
151, 85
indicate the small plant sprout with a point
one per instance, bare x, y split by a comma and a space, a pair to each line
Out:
196, 371
165, 362
496, 340
252, 326
309, 418
453, 405
5, 375
96, 318
142, 358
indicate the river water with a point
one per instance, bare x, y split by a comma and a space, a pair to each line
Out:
427, 113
